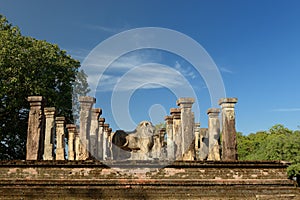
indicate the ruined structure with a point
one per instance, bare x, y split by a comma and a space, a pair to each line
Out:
98, 163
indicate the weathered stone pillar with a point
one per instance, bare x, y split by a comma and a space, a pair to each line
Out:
203, 150
187, 126
109, 144
77, 146
163, 150
213, 134
60, 138
156, 149
86, 104
170, 140
100, 138
35, 131
105, 142
197, 138
96, 112
176, 114
229, 146
71, 141
49, 133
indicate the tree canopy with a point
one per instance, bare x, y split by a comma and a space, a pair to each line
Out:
278, 143
30, 67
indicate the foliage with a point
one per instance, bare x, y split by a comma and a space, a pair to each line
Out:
30, 67
278, 143
80, 88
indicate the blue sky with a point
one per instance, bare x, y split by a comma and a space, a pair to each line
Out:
254, 44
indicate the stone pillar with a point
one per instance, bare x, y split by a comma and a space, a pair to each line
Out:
96, 112
197, 138
60, 138
105, 141
71, 141
156, 149
35, 131
213, 134
86, 104
187, 126
77, 146
100, 138
163, 150
109, 143
229, 146
176, 115
170, 140
49, 133
203, 150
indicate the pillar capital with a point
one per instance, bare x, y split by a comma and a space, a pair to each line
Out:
101, 122
71, 127
175, 113
213, 112
60, 120
35, 100
106, 127
49, 112
169, 119
86, 99
86, 102
185, 102
228, 102
96, 112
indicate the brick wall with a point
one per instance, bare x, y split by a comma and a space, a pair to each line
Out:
145, 180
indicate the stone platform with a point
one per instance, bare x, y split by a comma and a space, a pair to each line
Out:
145, 180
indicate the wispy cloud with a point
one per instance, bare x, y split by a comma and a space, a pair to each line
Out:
107, 29
184, 70
286, 110
226, 70
138, 70
148, 76
79, 54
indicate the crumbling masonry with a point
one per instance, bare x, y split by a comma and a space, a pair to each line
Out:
181, 139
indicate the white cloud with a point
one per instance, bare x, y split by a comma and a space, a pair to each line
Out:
226, 70
184, 70
107, 29
148, 76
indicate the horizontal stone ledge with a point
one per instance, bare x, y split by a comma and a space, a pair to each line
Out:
146, 182
144, 163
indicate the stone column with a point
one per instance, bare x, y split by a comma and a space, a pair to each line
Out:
105, 141
176, 114
213, 134
229, 146
35, 131
163, 150
77, 146
71, 141
86, 104
96, 112
60, 138
170, 140
109, 143
49, 133
156, 149
197, 138
203, 150
187, 126
100, 138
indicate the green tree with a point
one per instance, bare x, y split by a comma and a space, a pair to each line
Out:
30, 67
80, 88
278, 143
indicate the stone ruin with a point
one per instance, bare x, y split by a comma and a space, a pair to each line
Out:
181, 139
93, 162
